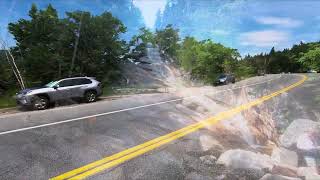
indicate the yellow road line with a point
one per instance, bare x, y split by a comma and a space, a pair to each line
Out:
118, 158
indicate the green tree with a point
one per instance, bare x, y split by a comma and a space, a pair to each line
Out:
311, 59
48, 44
187, 54
206, 59
214, 59
245, 69
168, 39
140, 42
146, 35
37, 42
6, 79
99, 47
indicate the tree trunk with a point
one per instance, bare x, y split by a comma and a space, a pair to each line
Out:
59, 71
75, 48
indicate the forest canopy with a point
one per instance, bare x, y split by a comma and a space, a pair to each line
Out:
49, 47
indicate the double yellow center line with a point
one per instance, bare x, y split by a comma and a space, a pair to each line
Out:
118, 158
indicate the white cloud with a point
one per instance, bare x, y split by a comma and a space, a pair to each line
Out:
279, 21
266, 38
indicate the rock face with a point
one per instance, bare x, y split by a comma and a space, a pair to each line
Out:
277, 177
208, 159
195, 176
242, 174
309, 142
241, 159
309, 173
284, 156
296, 128
285, 171
207, 142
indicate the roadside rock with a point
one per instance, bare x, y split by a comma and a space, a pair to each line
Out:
243, 174
277, 177
312, 177
308, 145
201, 109
285, 171
242, 159
303, 171
196, 176
208, 142
295, 129
220, 177
192, 163
208, 159
310, 173
284, 156
309, 141
310, 161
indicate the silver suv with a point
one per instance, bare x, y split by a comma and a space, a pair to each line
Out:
86, 88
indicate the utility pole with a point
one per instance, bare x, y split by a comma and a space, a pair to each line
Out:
13, 65
76, 46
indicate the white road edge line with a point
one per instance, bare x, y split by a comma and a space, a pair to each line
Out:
127, 109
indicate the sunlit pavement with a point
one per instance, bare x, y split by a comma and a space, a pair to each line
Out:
34, 145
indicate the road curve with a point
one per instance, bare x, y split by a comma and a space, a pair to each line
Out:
45, 144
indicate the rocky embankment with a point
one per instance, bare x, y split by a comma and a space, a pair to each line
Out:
296, 157
264, 142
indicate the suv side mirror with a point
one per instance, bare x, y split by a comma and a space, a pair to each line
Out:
55, 87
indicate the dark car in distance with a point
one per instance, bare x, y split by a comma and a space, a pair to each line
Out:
224, 79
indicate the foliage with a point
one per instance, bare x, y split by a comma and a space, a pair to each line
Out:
206, 59
7, 78
299, 58
187, 54
168, 39
245, 70
47, 43
311, 59
144, 35
7, 99
140, 42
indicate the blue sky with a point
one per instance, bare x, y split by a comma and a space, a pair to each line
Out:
278, 23
251, 26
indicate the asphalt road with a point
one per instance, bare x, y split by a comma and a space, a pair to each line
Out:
45, 144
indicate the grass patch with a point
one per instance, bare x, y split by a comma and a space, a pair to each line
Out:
107, 90
7, 100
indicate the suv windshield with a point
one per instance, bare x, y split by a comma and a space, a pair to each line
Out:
222, 76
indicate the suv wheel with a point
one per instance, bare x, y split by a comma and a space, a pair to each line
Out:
90, 96
40, 102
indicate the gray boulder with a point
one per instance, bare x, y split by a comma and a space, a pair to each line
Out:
295, 129
208, 159
284, 156
277, 177
310, 173
196, 176
242, 159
